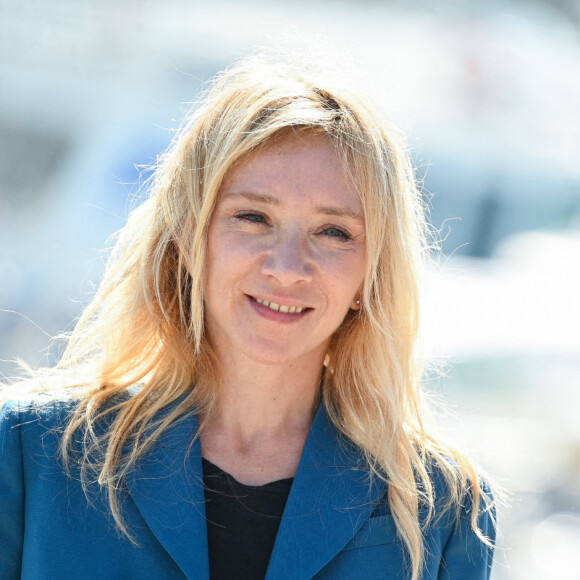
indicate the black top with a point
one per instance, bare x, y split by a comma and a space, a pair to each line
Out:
242, 523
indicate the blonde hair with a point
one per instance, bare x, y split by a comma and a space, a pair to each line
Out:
145, 324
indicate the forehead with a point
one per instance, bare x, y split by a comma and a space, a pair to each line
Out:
306, 167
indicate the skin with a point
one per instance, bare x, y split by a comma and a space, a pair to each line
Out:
288, 229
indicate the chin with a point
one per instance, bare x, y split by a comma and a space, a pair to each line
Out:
271, 358
282, 355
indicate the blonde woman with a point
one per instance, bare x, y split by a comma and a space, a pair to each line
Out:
241, 399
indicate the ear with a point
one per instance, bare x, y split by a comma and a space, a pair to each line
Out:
355, 305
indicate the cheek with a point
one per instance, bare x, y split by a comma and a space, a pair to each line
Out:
347, 274
216, 269
229, 259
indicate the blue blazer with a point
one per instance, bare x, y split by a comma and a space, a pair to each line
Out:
336, 524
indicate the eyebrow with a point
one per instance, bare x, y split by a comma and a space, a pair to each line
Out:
259, 197
271, 200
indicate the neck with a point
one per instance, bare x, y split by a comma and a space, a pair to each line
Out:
263, 416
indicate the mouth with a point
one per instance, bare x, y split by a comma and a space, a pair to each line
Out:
284, 308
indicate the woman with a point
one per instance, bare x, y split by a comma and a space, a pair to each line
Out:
247, 397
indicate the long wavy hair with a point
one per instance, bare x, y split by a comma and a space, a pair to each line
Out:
145, 324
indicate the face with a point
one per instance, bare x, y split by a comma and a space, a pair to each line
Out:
286, 253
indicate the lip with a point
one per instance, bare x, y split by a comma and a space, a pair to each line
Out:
284, 317
286, 301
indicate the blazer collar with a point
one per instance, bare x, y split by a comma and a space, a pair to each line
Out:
331, 498
167, 488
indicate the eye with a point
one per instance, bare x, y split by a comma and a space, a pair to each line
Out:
335, 232
251, 216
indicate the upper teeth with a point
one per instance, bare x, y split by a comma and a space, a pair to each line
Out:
280, 307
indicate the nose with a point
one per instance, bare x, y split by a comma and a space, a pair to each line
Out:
289, 259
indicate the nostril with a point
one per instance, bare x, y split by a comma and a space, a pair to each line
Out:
288, 264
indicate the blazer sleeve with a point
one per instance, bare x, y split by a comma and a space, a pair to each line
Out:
465, 556
11, 493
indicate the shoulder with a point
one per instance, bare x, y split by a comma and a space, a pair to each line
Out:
38, 409
37, 420
457, 485
30, 428
49, 409
461, 531
29, 444
457, 521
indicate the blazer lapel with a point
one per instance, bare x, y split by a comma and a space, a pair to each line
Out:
167, 488
331, 498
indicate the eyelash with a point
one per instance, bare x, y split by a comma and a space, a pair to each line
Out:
343, 235
245, 216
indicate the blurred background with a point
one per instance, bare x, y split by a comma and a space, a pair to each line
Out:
488, 95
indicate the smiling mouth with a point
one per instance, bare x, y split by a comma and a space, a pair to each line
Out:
281, 307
